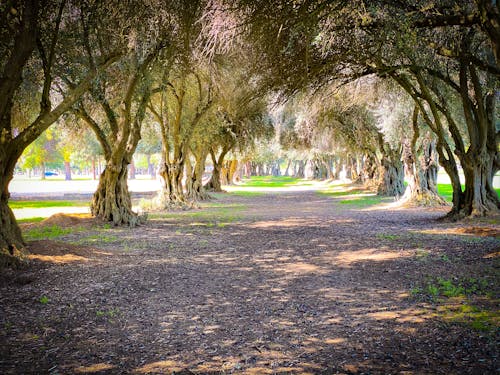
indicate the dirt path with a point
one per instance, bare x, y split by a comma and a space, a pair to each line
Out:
277, 283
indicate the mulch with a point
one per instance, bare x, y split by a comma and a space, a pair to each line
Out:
293, 283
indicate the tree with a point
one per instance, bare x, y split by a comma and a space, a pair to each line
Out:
179, 110
27, 77
115, 106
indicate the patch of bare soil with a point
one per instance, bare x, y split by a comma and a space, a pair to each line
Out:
278, 283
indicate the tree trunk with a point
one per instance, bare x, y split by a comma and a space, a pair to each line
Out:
224, 173
11, 240
111, 201
338, 169
392, 178
67, 171
194, 182
171, 193
287, 168
94, 169
300, 169
233, 167
214, 183
238, 171
420, 160
151, 168
215, 180
132, 170
42, 173
480, 198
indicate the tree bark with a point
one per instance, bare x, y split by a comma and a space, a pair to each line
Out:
215, 180
42, 173
392, 178
300, 165
132, 170
94, 169
11, 240
67, 171
151, 169
420, 160
214, 183
287, 167
171, 193
194, 183
111, 201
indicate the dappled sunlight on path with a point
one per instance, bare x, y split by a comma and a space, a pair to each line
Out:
280, 283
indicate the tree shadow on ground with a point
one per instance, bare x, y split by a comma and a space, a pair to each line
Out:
306, 288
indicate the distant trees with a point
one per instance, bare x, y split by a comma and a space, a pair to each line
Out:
445, 58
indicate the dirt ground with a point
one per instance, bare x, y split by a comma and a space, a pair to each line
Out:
276, 283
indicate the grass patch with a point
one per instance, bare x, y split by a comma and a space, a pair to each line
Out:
457, 301
446, 191
13, 204
274, 182
44, 300
97, 238
450, 288
213, 214
386, 236
30, 220
475, 317
340, 193
44, 233
246, 193
363, 201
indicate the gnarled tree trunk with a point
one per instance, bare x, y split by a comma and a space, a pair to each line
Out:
11, 240
111, 201
480, 198
215, 180
421, 167
194, 181
392, 178
171, 193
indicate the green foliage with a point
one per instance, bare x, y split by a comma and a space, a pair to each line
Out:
44, 300
450, 288
43, 150
477, 318
111, 313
